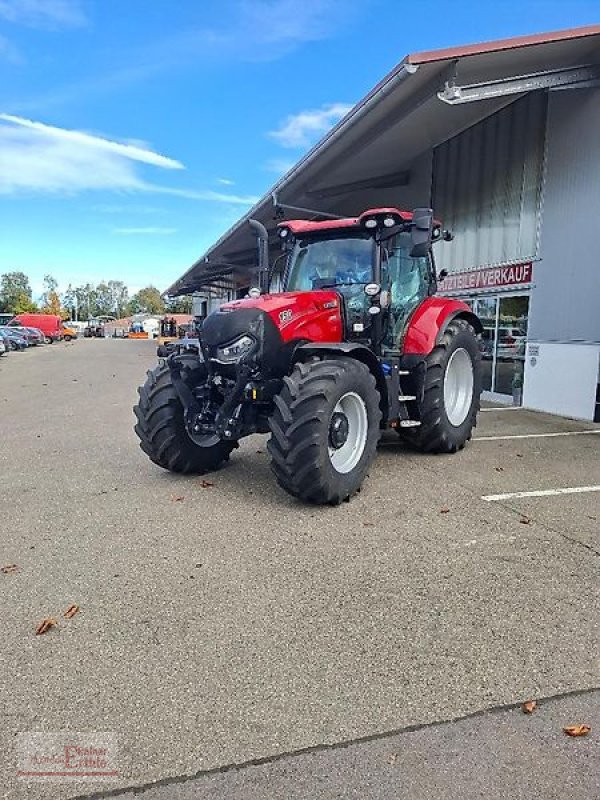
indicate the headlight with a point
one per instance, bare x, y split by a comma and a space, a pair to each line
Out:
230, 353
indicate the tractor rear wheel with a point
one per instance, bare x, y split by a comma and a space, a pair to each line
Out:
452, 391
325, 429
161, 427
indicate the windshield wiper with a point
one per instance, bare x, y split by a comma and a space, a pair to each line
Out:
350, 283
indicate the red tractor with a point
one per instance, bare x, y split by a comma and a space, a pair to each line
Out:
355, 344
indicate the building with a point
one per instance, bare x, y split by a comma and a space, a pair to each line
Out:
501, 139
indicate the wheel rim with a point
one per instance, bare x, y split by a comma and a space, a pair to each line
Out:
348, 428
458, 387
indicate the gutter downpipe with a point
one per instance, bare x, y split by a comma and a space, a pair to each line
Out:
383, 88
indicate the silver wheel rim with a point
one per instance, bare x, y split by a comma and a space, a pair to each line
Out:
458, 387
345, 458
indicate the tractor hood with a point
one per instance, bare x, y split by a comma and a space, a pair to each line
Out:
311, 316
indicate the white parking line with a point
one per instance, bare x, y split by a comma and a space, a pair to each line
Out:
541, 493
502, 408
533, 435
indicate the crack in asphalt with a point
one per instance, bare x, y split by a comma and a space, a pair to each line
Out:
318, 748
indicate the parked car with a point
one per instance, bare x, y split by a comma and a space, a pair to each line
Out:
33, 335
13, 338
3, 349
69, 333
49, 324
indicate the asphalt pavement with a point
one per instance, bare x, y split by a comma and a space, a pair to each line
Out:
227, 624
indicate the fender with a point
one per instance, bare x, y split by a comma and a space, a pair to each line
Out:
354, 350
429, 322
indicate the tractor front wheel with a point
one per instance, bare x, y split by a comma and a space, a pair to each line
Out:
161, 427
325, 429
452, 391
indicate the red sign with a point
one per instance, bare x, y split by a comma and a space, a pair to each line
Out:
487, 278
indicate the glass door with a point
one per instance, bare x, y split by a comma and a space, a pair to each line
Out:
513, 315
503, 343
486, 309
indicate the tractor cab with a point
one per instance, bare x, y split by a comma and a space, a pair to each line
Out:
372, 262
355, 343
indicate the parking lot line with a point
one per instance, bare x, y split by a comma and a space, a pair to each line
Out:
502, 408
533, 435
541, 493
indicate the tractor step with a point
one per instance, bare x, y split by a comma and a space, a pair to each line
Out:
404, 398
409, 423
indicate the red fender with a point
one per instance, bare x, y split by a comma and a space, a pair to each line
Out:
430, 320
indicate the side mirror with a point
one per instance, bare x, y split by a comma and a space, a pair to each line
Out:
421, 232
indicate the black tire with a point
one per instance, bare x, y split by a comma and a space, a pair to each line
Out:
68, 338
48, 340
161, 428
300, 429
437, 434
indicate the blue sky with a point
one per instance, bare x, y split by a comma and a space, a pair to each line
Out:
134, 132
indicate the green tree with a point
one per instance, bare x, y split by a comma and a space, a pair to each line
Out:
14, 290
50, 299
86, 301
120, 297
69, 301
147, 300
24, 305
179, 305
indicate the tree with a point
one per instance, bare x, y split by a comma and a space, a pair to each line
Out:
86, 301
14, 290
69, 301
147, 300
24, 305
50, 298
120, 297
180, 305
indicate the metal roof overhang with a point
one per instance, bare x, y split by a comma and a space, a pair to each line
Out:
374, 148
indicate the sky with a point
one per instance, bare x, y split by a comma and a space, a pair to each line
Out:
133, 133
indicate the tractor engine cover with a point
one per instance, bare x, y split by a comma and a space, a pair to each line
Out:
310, 316
276, 323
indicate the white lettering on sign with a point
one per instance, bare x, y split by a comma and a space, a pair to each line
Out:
487, 278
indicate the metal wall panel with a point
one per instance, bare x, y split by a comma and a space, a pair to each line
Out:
565, 303
486, 187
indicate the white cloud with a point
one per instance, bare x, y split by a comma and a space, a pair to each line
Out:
225, 182
50, 14
205, 194
144, 231
131, 151
303, 129
35, 157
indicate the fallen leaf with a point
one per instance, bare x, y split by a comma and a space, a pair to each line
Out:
529, 707
525, 521
577, 730
71, 611
45, 626
444, 510
178, 498
369, 524
206, 484
260, 452
9, 569
519, 455
499, 469
392, 758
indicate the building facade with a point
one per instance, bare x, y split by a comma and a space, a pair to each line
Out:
501, 139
